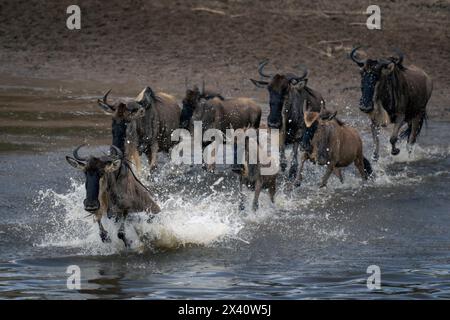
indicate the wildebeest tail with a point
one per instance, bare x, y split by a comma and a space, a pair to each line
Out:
367, 167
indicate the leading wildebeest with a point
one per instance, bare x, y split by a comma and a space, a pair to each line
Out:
393, 93
112, 187
217, 112
335, 145
287, 94
152, 131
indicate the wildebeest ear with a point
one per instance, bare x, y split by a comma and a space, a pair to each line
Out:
388, 68
259, 83
75, 163
113, 166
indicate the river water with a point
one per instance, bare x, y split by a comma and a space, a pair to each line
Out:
312, 243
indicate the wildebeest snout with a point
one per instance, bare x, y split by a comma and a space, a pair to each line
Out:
91, 205
366, 105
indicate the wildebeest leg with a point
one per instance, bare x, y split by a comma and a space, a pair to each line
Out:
415, 125
258, 186
376, 140
394, 136
272, 191
103, 233
241, 195
152, 155
121, 232
327, 175
299, 179
359, 163
294, 163
283, 164
338, 173
212, 166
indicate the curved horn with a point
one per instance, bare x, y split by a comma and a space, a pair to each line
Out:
104, 102
298, 78
77, 156
261, 66
357, 61
117, 152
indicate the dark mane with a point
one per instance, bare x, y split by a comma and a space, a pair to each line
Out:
391, 91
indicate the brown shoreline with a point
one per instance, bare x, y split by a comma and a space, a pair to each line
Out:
56, 74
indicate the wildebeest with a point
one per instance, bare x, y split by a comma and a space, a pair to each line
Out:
287, 93
112, 188
251, 175
153, 131
335, 145
393, 93
190, 101
217, 112
124, 126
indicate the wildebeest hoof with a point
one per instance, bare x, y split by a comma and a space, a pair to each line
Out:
105, 237
241, 207
375, 157
121, 236
283, 167
395, 151
322, 186
297, 183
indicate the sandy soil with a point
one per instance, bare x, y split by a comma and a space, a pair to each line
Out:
127, 44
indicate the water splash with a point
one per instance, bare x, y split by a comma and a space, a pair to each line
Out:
209, 216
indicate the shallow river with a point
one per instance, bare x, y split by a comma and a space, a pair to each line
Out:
313, 243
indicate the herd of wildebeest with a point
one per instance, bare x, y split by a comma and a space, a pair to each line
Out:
391, 93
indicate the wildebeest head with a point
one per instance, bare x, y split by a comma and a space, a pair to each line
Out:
94, 169
371, 72
192, 101
278, 87
122, 114
311, 119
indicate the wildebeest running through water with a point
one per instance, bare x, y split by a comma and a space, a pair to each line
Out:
393, 93
113, 189
287, 93
334, 145
216, 112
148, 133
